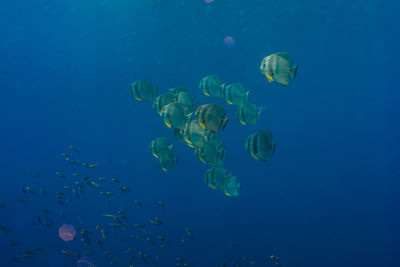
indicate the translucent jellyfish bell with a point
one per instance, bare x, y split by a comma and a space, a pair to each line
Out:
66, 232
85, 262
229, 41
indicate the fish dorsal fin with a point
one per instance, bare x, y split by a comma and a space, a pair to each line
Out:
285, 56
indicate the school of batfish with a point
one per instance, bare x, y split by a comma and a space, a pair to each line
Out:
198, 125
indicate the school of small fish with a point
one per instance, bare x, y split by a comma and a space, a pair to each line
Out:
119, 227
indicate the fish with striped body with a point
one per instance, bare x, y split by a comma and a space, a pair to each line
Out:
249, 113
211, 116
174, 114
278, 67
261, 145
143, 90
160, 147
211, 86
218, 178
235, 94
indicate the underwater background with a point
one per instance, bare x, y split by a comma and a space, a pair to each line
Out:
328, 197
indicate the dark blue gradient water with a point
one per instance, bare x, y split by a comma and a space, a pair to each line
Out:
330, 194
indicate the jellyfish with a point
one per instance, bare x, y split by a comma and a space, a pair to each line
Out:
66, 232
85, 262
229, 41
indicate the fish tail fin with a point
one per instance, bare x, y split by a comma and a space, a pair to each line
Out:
260, 110
155, 89
224, 122
293, 71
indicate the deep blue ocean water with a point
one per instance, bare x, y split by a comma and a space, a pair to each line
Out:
328, 197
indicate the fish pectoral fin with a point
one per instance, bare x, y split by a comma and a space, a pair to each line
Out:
138, 99
168, 124
269, 78
206, 94
229, 195
155, 155
242, 122
213, 187
254, 156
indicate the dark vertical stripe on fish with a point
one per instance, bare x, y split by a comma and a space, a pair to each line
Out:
270, 64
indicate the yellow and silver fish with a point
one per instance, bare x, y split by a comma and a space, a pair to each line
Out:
211, 86
278, 67
143, 90
211, 116
261, 145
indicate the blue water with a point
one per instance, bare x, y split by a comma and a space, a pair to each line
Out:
330, 194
